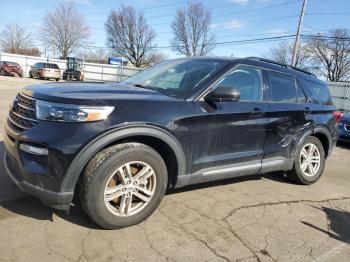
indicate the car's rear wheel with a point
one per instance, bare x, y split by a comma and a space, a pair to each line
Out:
122, 185
309, 162
30, 74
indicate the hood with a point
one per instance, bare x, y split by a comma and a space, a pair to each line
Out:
90, 92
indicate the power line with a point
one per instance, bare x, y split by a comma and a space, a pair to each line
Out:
235, 42
210, 8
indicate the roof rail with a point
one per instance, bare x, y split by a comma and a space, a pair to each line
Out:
280, 64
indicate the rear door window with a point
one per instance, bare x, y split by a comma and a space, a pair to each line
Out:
281, 88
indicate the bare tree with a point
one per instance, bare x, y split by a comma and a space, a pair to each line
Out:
155, 57
98, 55
332, 54
191, 29
15, 39
130, 36
283, 53
65, 29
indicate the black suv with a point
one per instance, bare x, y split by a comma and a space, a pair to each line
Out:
181, 122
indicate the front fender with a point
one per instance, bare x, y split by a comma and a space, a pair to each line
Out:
103, 140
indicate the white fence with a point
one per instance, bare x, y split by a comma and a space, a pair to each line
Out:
340, 92
92, 71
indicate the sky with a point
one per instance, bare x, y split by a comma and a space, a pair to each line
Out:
232, 20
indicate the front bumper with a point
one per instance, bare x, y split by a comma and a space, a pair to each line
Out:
44, 176
58, 200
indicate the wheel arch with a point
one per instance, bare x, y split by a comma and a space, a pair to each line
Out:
157, 138
323, 134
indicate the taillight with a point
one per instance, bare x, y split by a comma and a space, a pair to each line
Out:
337, 115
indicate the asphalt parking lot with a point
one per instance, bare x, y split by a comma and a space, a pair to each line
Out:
260, 218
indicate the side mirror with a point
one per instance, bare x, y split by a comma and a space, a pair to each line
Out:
224, 94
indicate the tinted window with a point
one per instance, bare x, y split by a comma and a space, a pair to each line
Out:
301, 98
178, 78
320, 93
246, 80
54, 66
281, 87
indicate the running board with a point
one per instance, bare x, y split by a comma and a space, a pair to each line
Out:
235, 170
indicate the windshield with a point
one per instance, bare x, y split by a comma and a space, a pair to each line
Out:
177, 78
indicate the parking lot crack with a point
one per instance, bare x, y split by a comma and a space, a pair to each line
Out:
48, 246
150, 243
196, 237
284, 202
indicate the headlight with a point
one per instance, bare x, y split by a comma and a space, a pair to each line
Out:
71, 113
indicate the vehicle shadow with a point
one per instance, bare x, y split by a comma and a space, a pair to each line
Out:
339, 224
343, 145
15, 202
29, 206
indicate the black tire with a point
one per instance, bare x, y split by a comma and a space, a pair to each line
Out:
30, 74
297, 174
57, 79
97, 174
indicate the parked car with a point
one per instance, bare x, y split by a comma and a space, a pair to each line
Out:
344, 128
180, 122
10, 68
45, 71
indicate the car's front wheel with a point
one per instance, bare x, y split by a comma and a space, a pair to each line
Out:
309, 162
122, 185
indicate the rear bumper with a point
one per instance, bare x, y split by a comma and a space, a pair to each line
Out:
58, 200
50, 75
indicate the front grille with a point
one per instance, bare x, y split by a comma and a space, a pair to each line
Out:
22, 114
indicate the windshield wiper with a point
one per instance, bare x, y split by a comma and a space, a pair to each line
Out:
146, 87
139, 85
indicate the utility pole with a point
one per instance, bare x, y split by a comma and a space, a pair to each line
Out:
296, 43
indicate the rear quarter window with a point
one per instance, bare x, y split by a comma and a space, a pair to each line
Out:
319, 92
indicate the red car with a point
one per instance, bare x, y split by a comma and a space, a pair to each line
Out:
10, 68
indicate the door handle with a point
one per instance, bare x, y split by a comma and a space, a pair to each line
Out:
256, 111
307, 110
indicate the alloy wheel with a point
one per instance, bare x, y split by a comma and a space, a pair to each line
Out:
130, 188
310, 159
